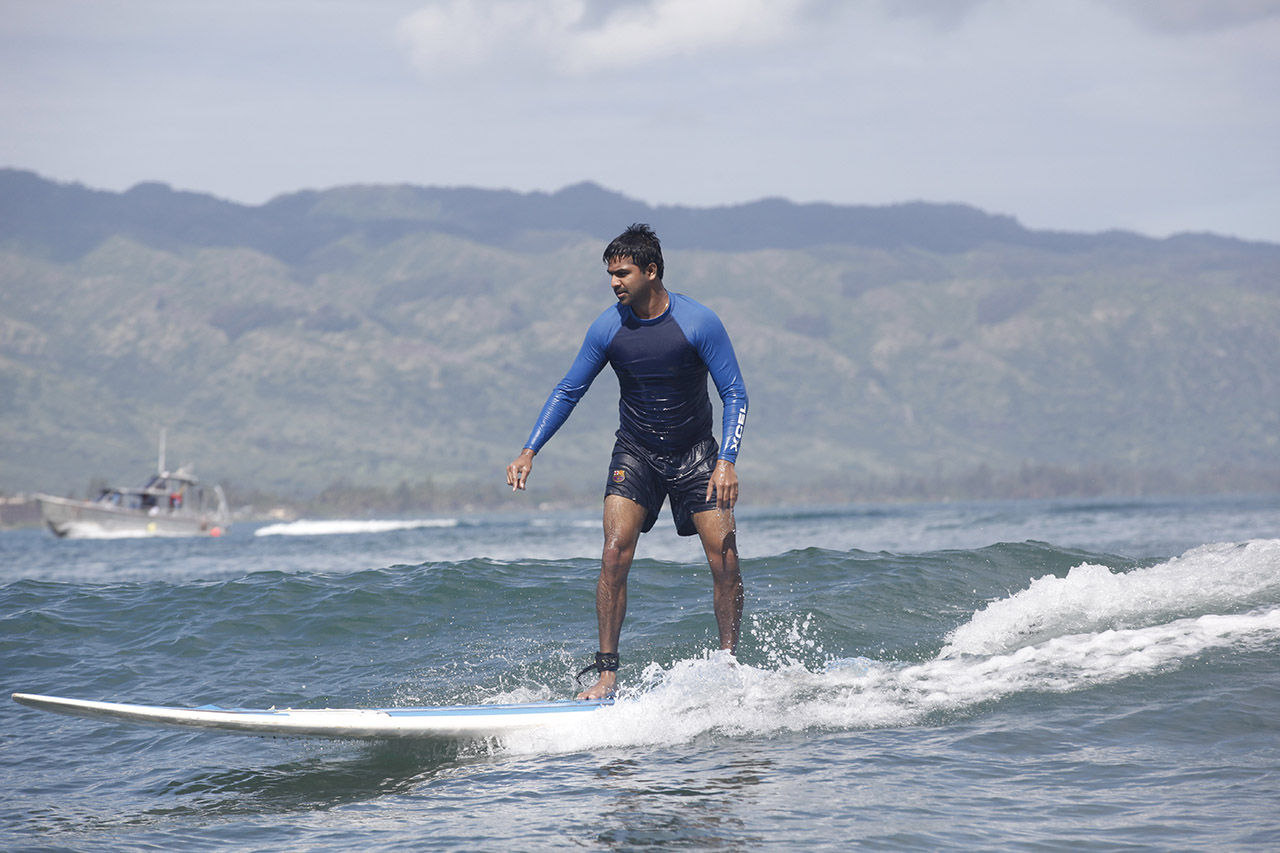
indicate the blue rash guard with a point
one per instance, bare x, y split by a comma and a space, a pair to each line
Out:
662, 367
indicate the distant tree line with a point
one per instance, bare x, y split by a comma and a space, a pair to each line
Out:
1035, 482
1029, 482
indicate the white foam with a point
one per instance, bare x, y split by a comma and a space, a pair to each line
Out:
716, 696
1093, 598
348, 526
1059, 635
89, 530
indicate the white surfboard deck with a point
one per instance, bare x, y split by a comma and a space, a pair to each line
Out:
455, 723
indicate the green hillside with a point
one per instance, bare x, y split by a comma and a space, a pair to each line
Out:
374, 336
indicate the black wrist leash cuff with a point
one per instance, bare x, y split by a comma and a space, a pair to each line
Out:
605, 662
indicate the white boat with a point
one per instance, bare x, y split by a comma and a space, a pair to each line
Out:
170, 503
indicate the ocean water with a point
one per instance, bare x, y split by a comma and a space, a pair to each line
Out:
1017, 676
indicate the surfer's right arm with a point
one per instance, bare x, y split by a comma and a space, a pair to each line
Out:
518, 470
590, 360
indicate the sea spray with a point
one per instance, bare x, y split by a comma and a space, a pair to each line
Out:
1029, 642
340, 527
1092, 598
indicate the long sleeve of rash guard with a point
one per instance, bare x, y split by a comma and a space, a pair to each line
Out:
713, 345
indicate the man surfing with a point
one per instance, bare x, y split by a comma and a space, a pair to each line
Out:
661, 346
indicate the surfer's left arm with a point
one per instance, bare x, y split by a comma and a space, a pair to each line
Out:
723, 485
722, 363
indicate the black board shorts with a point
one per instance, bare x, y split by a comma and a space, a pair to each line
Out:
649, 478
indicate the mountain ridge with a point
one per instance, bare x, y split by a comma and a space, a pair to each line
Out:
198, 219
383, 335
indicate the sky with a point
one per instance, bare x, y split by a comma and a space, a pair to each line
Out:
1156, 116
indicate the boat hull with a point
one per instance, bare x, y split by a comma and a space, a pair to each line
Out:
74, 519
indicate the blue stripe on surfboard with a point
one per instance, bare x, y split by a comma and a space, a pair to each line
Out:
553, 707
501, 710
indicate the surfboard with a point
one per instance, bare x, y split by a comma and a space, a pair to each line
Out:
448, 722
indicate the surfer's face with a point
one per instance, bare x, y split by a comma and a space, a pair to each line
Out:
630, 283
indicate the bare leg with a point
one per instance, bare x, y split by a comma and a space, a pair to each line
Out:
718, 532
623, 519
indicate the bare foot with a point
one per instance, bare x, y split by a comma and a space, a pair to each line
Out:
603, 688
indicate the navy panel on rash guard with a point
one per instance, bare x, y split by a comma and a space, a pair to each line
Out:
662, 367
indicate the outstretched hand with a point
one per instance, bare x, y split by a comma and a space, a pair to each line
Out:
723, 485
518, 470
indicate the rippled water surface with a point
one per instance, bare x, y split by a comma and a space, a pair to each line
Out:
1045, 675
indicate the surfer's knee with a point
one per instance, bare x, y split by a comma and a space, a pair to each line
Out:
726, 574
722, 553
615, 562
724, 566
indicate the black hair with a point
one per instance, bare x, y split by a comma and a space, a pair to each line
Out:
638, 243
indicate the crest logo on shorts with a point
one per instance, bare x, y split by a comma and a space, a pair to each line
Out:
619, 475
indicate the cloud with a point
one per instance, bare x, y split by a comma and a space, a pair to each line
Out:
943, 14
461, 35
576, 37
1167, 16
1188, 16
667, 28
